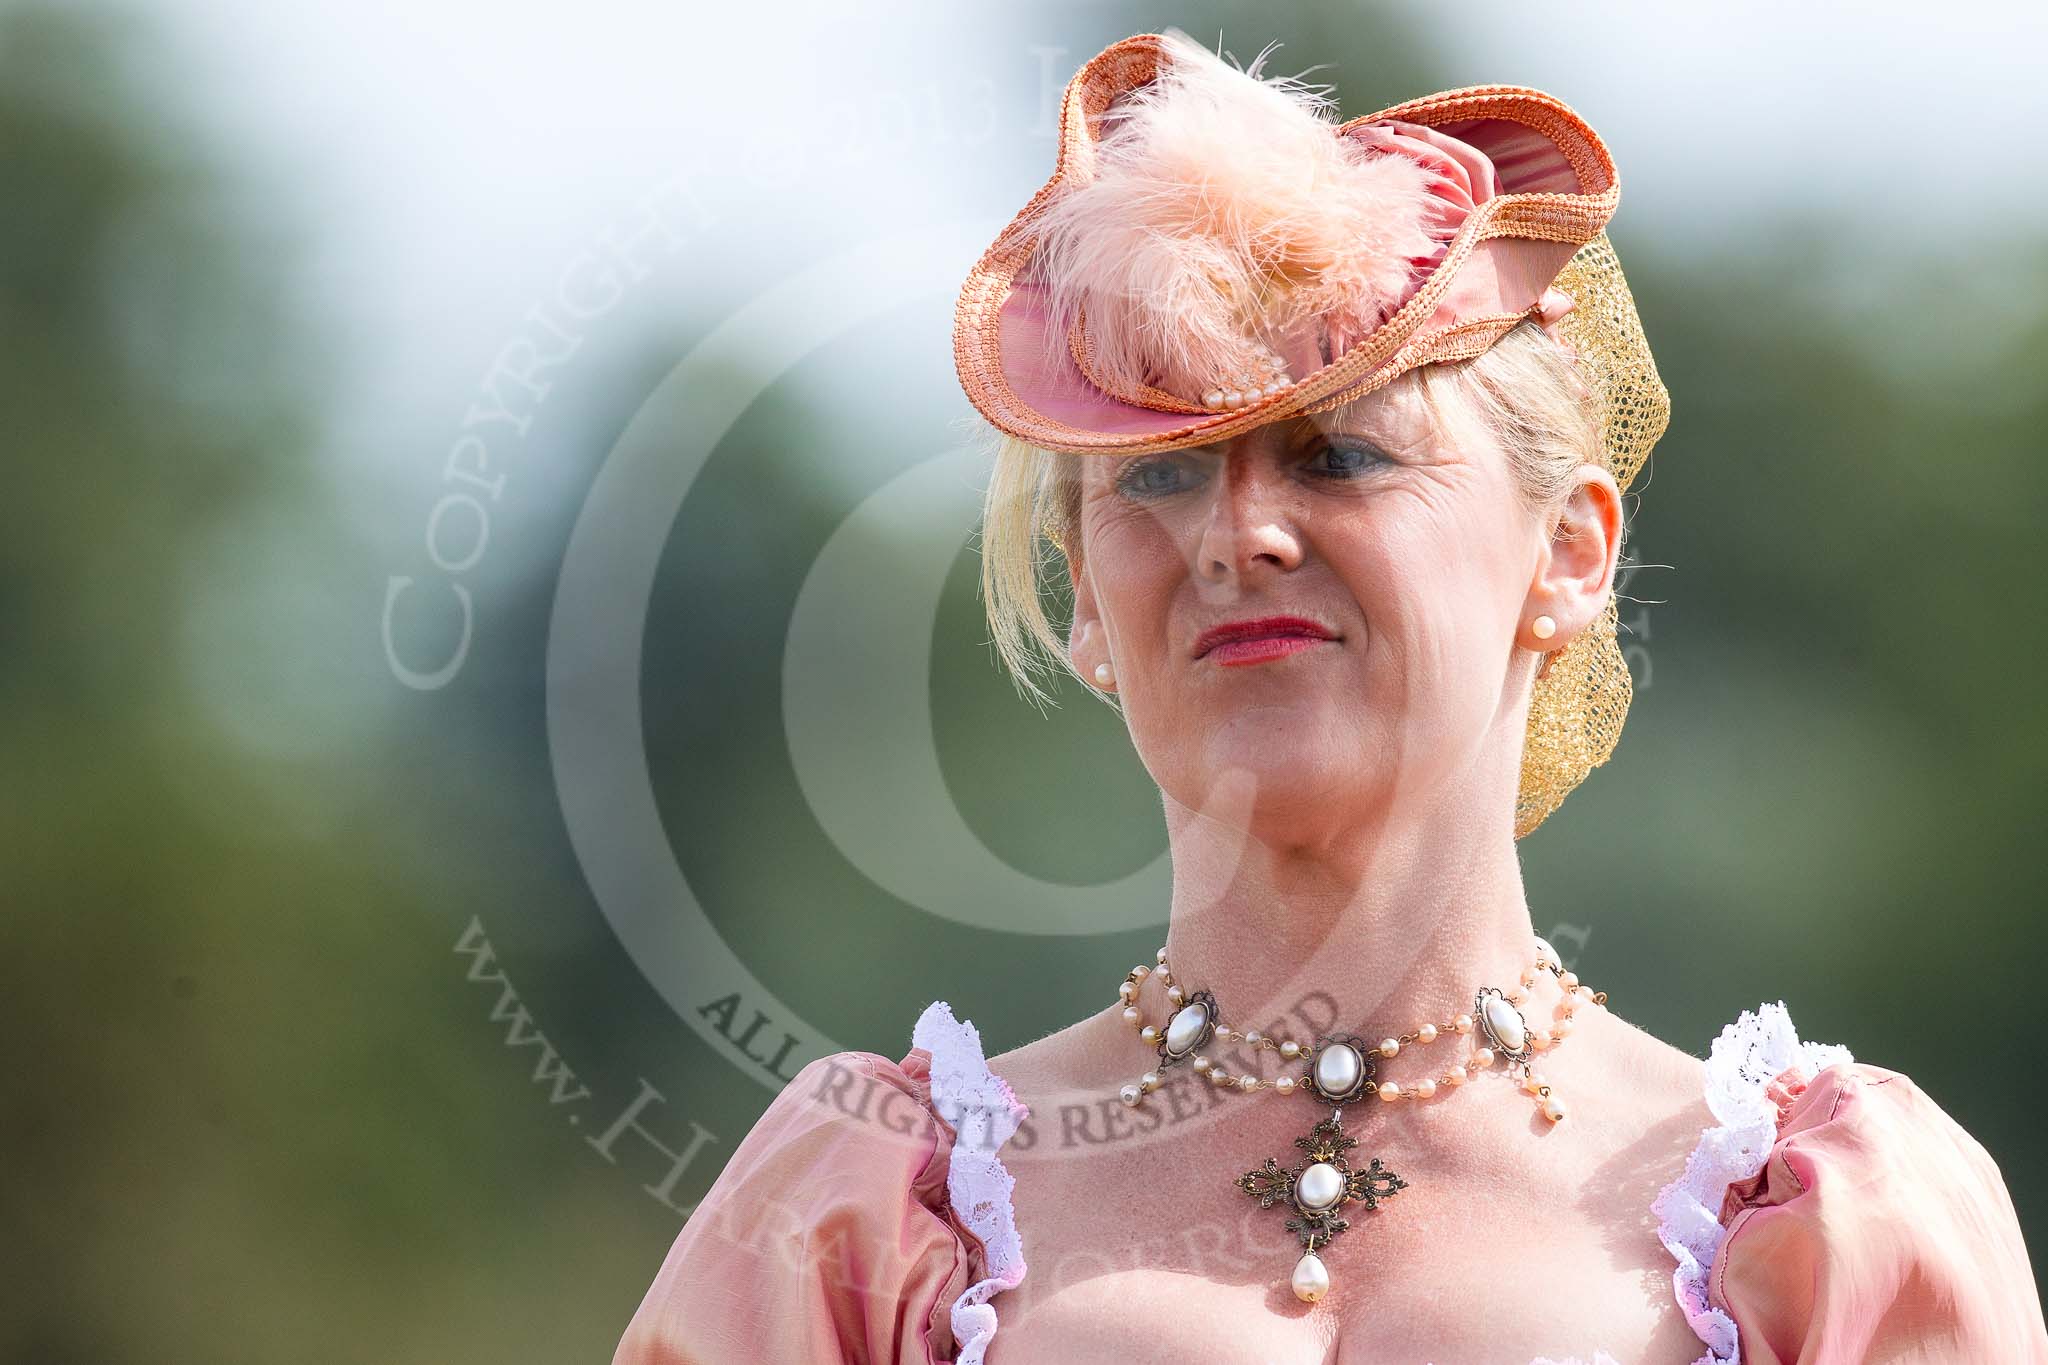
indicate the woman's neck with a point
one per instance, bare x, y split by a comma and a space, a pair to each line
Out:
1372, 933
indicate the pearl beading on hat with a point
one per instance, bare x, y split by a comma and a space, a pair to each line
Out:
1265, 378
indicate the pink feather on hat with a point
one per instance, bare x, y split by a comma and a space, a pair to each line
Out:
1223, 210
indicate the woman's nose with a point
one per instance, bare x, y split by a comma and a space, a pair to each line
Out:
1249, 525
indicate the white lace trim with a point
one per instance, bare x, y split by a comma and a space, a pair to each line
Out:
984, 1112
1746, 1057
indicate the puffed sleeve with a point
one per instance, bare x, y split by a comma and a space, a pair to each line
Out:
828, 1237
1877, 1230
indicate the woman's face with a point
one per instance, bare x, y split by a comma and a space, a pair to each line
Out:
1411, 547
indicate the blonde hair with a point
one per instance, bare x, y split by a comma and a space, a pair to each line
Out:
1525, 392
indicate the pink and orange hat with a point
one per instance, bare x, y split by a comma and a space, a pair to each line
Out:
1212, 252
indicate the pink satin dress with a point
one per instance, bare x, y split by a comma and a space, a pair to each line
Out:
1833, 1214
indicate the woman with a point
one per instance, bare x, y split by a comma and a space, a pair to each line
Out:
1331, 427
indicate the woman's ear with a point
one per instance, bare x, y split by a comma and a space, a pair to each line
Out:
1576, 574
1087, 645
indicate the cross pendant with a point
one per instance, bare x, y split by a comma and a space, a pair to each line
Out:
1317, 1187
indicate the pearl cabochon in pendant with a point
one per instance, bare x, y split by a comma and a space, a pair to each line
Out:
1505, 1021
1337, 1069
1318, 1187
1186, 1027
1340, 1070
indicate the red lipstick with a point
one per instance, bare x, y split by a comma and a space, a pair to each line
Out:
1268, 637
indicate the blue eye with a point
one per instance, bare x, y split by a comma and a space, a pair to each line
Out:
1136, 479
1348, 459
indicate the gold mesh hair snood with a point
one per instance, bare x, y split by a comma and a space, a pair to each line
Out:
1577, 709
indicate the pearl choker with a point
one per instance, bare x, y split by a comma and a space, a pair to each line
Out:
1342, 1071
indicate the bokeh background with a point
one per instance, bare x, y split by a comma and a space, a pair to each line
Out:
259, 267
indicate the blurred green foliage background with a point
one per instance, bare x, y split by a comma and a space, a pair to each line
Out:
258, 1108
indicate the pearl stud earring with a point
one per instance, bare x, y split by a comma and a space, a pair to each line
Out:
1543, 627
1104, 675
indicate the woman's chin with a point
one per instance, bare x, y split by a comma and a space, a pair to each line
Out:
1272, 770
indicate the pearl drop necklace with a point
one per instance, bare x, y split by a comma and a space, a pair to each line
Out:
1342, 1071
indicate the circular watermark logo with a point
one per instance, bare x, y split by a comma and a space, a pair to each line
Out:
855, 697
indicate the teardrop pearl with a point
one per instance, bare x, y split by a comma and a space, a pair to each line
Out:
1311, 1278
